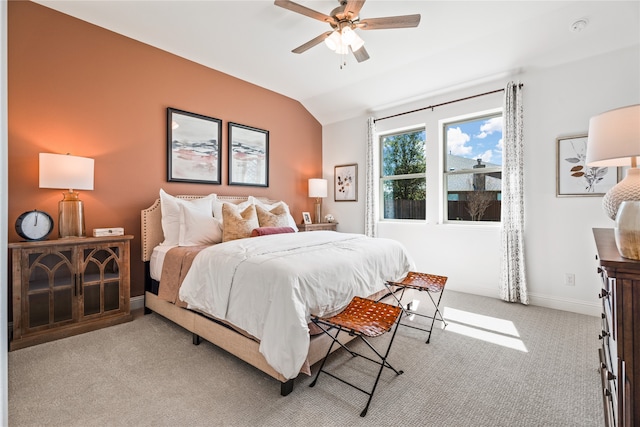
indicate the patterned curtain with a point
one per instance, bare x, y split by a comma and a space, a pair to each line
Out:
371, 182
513, 283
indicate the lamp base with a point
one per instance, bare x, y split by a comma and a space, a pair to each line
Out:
71, 216
627, 230
318, 213
627, 189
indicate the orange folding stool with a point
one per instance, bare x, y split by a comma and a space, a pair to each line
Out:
362, 318
430, 283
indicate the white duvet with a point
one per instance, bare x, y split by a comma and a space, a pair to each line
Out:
269, 285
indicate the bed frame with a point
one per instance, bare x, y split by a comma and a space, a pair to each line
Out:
213, 330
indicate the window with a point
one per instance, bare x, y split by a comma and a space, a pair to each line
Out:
403, 175
473, 168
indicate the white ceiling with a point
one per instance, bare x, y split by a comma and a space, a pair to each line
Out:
457, 44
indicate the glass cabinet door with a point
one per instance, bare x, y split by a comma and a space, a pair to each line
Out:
101, 279
50, 286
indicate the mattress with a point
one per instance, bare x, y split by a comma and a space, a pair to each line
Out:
157, 259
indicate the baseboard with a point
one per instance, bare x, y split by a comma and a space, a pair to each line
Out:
475, 290
564, 304
136, 303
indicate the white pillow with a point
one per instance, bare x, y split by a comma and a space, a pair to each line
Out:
217, 207
198, 227
269, 207
170, 208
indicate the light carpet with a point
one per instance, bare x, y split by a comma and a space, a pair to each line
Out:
496, 364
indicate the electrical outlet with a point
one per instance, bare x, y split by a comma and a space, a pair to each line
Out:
569, 279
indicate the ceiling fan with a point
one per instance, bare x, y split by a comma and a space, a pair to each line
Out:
344, 19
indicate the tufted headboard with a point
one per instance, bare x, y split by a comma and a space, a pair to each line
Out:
151, 221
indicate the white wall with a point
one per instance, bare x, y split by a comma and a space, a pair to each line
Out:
558, 102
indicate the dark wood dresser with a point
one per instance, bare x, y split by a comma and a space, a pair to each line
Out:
620, 336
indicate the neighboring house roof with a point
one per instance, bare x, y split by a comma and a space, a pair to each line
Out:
464, 182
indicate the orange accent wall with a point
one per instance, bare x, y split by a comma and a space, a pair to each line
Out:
80, 89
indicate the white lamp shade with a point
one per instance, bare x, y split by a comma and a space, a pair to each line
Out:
317, 187
66, 171
614, 137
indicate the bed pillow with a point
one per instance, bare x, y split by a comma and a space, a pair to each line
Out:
217, 207
276, 217
269, 207
265, 231
198, 228
237, 224
170, 209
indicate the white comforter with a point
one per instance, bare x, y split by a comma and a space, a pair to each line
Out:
269, 285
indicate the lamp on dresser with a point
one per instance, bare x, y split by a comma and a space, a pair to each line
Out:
614, 140
64, 171
318, 189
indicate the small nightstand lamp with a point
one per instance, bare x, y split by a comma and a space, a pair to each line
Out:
318, 189
614, 140
73, 173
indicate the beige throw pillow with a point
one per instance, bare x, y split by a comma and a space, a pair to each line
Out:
267, 206
238, 224
276, 217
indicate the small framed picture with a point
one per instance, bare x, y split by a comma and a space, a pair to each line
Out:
574, 177
346, 183
306, 217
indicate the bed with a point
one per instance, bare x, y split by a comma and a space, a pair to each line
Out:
271, 337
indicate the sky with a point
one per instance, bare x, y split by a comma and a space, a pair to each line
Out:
477, 139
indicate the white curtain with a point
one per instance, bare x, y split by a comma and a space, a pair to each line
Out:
513, 283
371, 182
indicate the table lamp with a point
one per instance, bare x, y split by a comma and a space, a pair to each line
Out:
614, 140
318, 189
72, 173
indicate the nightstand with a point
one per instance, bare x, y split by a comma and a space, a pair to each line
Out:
64, 287
331, 226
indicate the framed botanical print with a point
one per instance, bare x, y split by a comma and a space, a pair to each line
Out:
346, 183
574, 177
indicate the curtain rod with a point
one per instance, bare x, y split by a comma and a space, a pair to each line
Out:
443, 103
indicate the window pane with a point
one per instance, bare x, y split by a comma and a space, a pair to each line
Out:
403, 153
474, 197
474, 143
404, 198
475, 146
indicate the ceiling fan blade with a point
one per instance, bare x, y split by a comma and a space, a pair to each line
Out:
298, 8
311, 43
361, 54
404, 21
352, 8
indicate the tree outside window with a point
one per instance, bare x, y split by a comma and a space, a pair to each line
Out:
403, 180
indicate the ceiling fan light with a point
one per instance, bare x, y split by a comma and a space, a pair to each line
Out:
342, 49
357, 43
333, 41
348, 35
